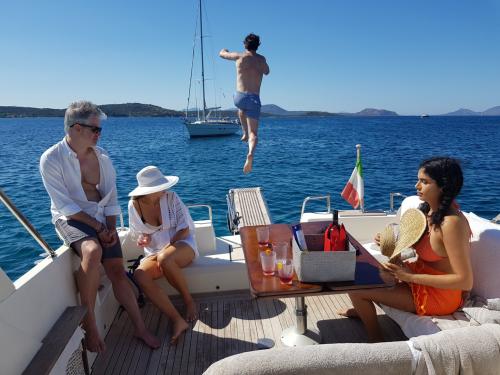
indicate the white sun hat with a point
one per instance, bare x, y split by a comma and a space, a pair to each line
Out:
151, 180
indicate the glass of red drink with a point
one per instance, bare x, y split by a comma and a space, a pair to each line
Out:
285, 270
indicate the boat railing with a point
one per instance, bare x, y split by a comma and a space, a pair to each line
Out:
122, 223
202, 205
26, 224
326, 198
391, 199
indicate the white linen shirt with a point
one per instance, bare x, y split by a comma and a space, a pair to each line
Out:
62, 178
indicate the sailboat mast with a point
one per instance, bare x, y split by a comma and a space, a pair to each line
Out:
202, 64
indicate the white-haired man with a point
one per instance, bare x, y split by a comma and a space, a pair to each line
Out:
81, 182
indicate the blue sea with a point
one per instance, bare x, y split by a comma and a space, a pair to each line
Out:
296, 157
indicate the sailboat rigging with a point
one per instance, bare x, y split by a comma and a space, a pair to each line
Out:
208, 122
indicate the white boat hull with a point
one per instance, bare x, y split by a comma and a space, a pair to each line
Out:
211, 128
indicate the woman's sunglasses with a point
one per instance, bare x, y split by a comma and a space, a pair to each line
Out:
94, 129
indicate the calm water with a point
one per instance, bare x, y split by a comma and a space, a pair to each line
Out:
296, 158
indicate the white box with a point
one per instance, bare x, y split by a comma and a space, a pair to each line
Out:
323, 266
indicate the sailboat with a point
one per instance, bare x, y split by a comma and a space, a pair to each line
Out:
208, 122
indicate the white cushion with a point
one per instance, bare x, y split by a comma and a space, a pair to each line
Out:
409, 202
482, 315
485, 256
411, 324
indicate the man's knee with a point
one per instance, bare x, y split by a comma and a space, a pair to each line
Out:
91, 252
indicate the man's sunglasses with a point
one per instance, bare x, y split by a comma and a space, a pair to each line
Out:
94, 129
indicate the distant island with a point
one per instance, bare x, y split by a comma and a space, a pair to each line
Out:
268, 110
148, 110
493, 111
112, 110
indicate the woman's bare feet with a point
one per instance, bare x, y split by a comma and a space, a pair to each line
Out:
149, 339
191, 311
247, 168
244, 138
179, 327
94, 342
349, 313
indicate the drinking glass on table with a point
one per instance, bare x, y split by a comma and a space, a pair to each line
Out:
285, 270
263, 236
267, 260
281, 250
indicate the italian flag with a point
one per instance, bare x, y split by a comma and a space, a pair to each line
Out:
354, 191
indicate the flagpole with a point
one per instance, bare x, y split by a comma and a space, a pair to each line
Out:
358, 158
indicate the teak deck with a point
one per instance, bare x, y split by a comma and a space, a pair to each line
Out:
229, 323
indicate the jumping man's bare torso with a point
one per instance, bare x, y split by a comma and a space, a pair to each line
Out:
250, 67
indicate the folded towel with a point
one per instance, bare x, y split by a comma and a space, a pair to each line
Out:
482, 315
457, 320
493, 304
469, 350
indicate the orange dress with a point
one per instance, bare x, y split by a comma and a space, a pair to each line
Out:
429, 300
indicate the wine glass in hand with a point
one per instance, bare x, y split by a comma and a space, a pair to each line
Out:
144, 240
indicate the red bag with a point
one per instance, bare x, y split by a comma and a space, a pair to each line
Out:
335, 238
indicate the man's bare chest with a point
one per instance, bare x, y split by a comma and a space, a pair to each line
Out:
89, 168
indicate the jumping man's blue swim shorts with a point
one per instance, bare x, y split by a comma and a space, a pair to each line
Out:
249, 103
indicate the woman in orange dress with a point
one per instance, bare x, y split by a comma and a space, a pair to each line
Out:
434, 284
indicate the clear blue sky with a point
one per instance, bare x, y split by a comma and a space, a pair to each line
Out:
412, 57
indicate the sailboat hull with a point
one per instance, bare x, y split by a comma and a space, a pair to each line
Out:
211, 128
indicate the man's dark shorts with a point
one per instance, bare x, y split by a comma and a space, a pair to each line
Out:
72, 231
249, 103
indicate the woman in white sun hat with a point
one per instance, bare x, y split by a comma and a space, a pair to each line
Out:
166, 232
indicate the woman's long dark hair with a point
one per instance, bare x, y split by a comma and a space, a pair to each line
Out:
448, 175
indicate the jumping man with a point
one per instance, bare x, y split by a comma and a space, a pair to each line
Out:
250, 67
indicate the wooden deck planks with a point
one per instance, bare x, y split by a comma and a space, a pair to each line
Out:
228, 324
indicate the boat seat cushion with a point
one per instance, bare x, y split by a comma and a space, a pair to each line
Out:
485, 256
412, 201
356, 359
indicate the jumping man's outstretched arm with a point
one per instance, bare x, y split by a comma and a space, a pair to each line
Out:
225, 54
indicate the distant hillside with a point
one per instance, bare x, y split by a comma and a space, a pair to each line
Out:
138, 110
274, 110
494, 111
372, 112
463, 112
30, 112
112, 110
